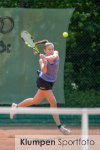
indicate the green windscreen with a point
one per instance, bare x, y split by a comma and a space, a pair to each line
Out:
18, 65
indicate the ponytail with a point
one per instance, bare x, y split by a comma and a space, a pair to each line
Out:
41, 42
44, 42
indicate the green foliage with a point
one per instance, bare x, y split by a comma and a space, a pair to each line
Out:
77, 98
83, 46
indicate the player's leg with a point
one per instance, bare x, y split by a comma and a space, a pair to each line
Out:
32, 101
28, 102
52, 101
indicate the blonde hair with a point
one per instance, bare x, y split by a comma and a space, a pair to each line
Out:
47, 44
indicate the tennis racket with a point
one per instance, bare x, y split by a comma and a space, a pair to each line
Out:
29, 41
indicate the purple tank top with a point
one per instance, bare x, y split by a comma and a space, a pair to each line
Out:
52, 70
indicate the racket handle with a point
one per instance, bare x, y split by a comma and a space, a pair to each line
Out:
35, 52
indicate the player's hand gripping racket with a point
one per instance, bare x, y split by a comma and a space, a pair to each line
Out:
29, 41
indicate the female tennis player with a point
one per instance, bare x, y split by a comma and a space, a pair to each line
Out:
49, 65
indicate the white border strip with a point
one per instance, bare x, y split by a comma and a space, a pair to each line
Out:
47, 111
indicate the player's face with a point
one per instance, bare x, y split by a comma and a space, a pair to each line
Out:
49, 50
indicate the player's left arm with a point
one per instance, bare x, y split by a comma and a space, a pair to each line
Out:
43, 64
53, 57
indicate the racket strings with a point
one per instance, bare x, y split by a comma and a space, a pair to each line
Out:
29, 41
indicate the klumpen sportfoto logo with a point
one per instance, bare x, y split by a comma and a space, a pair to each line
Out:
59, 142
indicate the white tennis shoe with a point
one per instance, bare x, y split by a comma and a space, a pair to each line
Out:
64, 130
13, 107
